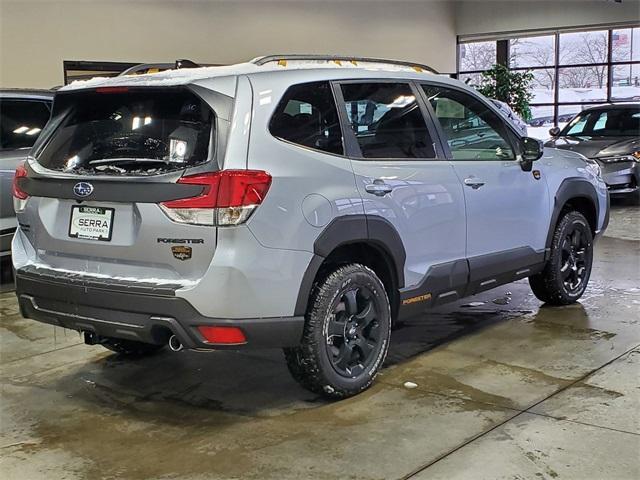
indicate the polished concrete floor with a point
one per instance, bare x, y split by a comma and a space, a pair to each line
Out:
506, 388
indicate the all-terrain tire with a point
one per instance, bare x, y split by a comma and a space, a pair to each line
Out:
566, 274
130, 348
352, 295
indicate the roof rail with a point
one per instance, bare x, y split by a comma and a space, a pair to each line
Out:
340, 58
158, 67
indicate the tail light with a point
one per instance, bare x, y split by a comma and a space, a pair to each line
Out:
228, 198
19, 195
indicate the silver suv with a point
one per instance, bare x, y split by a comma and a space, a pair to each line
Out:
23, 114
299, 202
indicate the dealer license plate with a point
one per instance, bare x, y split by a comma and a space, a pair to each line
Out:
91, 223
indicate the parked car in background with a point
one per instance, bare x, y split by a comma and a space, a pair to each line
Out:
610, 135
23, 114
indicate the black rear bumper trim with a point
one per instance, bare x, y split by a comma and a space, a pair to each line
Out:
145, 318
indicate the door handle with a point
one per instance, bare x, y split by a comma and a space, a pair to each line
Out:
473, 182
378, 188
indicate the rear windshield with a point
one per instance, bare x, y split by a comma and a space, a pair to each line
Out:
121, 131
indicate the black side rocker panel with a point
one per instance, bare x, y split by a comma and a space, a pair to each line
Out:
374, 230
451, 281
443, 283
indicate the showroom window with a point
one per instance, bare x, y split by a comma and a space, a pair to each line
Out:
307, 116
21, 122
572, 70
386, 121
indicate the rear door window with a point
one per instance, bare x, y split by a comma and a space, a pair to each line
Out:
307, 116
122, 131
387, 121
21, 122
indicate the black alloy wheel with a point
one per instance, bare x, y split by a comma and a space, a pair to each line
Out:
353, 332
574, 259
565, 276
346, 333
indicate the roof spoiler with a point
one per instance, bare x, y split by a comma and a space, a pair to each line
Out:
282, 59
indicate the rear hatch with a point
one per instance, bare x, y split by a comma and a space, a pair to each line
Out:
104, 166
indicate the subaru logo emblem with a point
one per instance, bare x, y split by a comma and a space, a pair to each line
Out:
83, 189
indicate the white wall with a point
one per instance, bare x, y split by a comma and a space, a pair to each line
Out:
489, 16
36, 36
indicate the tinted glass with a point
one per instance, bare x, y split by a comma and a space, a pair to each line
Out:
473, 131
139, 131
606, 123
21, 122
387, 121
307, 116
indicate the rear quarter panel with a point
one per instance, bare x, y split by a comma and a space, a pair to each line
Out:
320, 184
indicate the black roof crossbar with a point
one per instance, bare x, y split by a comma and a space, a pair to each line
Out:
341, 58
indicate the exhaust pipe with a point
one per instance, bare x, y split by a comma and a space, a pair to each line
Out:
90, 338
175, 344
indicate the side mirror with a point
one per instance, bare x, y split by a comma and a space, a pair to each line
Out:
531, 151
554, 131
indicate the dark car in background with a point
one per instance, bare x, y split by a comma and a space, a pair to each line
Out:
610, 135
23, 115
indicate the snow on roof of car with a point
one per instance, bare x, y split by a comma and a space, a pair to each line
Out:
190, 75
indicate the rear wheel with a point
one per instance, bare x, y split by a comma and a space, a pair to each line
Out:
566, 274
346, 334
130, 348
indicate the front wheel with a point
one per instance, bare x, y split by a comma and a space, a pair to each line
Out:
346, 334
566, 274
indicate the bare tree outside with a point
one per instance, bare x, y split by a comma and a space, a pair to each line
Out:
583, 48
477, 56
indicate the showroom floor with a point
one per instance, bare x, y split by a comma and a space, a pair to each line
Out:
505, 389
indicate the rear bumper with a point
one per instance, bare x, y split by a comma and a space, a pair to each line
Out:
149, 317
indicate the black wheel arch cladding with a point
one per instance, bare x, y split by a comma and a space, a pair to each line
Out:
576, 189
349, 229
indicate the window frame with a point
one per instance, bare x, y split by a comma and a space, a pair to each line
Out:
609, 64
47, 103
513, 136
352, 147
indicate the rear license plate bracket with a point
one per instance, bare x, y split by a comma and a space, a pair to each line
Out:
91, 223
